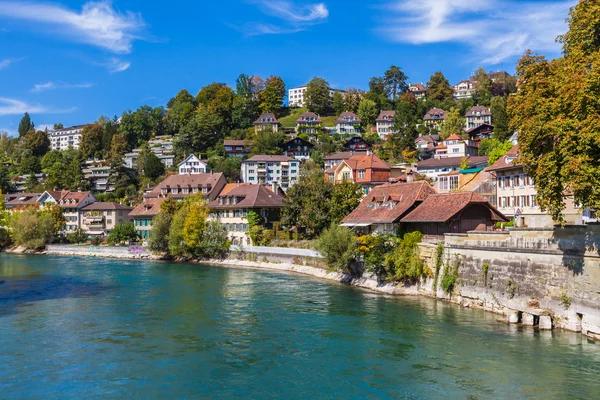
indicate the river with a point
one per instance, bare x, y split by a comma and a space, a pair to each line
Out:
87, 328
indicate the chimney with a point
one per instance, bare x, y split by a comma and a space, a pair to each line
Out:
409, 177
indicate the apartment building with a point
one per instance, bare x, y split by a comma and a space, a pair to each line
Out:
358, 144
296, 96
192, 165
478, 115
70, 202
348, 123
100, 218
65, 138
267, 169
161, 146
97, 172
385, 123
464, 89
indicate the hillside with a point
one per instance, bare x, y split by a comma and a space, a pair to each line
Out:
289, 121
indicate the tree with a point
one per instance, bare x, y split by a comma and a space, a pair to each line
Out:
337, 245
499, 151
395, 83
31, 165
338, 103
352, 99
177, 247
500, 118
181, 110
32, 229
153, 167
215, 243
122, 232
77, 236
438, 89
483, 87
50, 159
139, 126
91, 141
453, 125
558, 123
345, 198
377, 94
268, 142
404, 132
272, 96
229, 166
4, 179
58, 126
159, 240
316, 96
217, 99
37, 142
118, 175
201, 133
195, 224
26, 125
368, 112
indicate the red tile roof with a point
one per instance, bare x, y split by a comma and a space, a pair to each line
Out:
228, 142
352, 118
435, 114
302, 118
444, 207
507, 161
385, 116
367, 161
71, 199
454, 136
388, 203
248, 196
148, 208
418, 86
99, 206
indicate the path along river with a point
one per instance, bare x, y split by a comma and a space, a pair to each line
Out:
87, 328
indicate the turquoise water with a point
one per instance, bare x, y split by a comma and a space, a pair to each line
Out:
97, 328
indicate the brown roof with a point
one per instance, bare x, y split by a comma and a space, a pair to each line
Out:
435, 114
454, 136
267, 118
389, 114
507, 161
388, 203
98, 206
443, 207
228, 188
186, 181
367, 161
354, 118
418, 86
344, 155
228, 142
148, 208
316, 119
67, 198
481, 109
248, 196
268, 158
451, 162
21, 199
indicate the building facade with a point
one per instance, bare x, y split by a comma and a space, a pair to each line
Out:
433, 167
385, 123
178, 187
236, 148
297, 148
100, 218
266, 169
143, 214
367, 170
65, 138
348, 123
296, 96
464, 89
456, 146
266, 122
308, 123
434, 118
192, 165
478, 115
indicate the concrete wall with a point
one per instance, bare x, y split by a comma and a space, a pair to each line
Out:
530, 274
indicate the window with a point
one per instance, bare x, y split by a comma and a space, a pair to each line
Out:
521, 180
109, 221
533, 200
346, 176
251, 178
524, 201
456, 150
361, 174
453, 182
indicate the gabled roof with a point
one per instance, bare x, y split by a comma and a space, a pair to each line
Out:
190, 157
148, 208
367, 161
297, 139
100, 206
454, 136
353, 118
480, 127
507, 161
269, 158
445, 207
344, 155
266, 118
229, 142
22, 199
388, 203
248, 196
314, 118
481, 109
418, 86
452, 162
435, 114
385, 115
186, 181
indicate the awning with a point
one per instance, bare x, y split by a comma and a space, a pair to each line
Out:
470, 170
356, 224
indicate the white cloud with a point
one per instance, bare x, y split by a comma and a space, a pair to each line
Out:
98, 23
292, 17
14, 107
494, 30
8, 62
40, 87
116, 65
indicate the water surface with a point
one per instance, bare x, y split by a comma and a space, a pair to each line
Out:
81, 328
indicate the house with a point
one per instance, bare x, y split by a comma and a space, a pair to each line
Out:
433, 167
297, 148
476, 116
192, 165
452, 213
267, 169
100, 218
477, 180
333, 160
296, 95
267, 121
236, 148
65, 138
308, 123
464, 89
232, 206
418, 90
161, 146
357, 144
383, 208
426, 145
434, 118
384, 123
481, 132
96, 172
348, 123
367, 170
70, 203
179, 187
517, 195
143, 214
21, 201
456, 146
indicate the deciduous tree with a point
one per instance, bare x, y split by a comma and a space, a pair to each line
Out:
368, 112
438, 89
454, 124
316, 96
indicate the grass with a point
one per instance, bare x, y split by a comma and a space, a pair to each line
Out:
289, 121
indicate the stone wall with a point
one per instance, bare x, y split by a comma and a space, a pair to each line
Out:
540, 277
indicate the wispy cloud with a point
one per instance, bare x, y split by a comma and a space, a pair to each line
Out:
290, 17
97, 24
40, 87
116, 65
495, 30
14, 107
7, 62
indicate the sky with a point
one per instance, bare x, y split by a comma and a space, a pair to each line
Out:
71, 62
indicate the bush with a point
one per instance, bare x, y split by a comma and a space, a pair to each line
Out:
122, 232
450, 276
33, 229
214, 241
77, 236
373, 250
337, 245
404, 261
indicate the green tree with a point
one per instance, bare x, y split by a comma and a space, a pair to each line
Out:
483, 87
159, 240
337, 244
338, 103
368, 112
138, 126
37, 142
404, 132
201, 133
58, 126
31, 165
395, 83
377, 94
91, 141
404, 261
119, 177
500, 118
229, 166
26, 125
438, 89
177, 247
454, 124
32, 229
345, 198
316, 96
215, 244
217, 99
180, 110
153, 167
122, 232
272, 96
499, 151
268, 142
50, 159
4, 179
352, 99
77, 236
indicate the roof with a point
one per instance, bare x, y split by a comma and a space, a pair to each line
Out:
191, 156
427, 138
480, 127
354, 118
444, 207
99, 206
70, 199
227, 142
452, 162
267, 158
149, 208
481, 109
435, 114
186, 181
385, 115
70, 128
266, 118
291, 143
228, 188
388, 203
303, 116
22, 199
418, 86
344, 155
454, 136
366, 161
248, 196
507, 161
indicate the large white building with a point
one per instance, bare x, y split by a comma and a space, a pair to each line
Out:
66, 138
265, 169
296, 95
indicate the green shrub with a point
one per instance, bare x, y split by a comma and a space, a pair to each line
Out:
450, 276
337, 245
404, 262
439, 260
565, 300
122, 232
77, 236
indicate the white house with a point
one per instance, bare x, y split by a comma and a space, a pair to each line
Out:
192, 165
464, 89
296, 95
65, 138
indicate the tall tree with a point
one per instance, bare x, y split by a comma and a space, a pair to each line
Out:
439, 89
25, 125
118, 176
338, 103
199, 134
377, 94
268, 142
352, 99
500, 118
153, 167
91, 141
454, 124
272, 96
37, 142
368, 112
483, 87
558, 122
180, 110
316, 96
395, 82
404, 132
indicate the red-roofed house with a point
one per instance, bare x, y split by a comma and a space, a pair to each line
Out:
70, 203
368, 170
418, 90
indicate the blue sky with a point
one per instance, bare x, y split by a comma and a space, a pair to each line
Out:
73, 61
